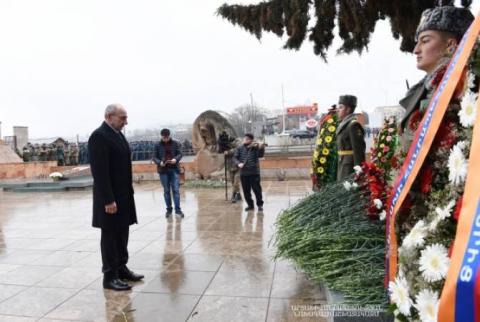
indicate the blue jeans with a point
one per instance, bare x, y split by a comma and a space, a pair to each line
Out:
171, 183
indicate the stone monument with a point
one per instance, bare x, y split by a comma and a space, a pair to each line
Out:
206, 130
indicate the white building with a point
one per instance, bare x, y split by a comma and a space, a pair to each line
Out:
380, 113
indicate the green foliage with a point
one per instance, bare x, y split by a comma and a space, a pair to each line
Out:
355, 20
329, 236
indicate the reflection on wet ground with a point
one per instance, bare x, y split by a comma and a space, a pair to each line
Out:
214, 265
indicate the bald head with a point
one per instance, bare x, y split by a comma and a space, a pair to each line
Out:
116, 116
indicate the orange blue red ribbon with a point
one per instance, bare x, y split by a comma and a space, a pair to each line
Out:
460, 300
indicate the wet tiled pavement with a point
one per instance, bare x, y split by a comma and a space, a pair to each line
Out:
214, 265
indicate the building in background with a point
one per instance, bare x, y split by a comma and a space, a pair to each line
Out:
297, 116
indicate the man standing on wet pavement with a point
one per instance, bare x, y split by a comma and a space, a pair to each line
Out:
246, 157
113, 202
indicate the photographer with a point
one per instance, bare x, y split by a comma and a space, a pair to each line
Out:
167, 156
246, 157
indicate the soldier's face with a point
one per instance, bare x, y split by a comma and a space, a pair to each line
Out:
431, 47
343, 111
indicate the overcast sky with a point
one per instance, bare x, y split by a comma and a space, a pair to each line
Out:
63, 61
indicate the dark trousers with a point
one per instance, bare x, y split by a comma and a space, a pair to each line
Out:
113, 245
249, 183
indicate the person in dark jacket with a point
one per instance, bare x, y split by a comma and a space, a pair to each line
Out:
246, 157
167, 156
113, 202
350, 138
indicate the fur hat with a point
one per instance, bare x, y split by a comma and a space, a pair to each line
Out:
348, 100
447, 18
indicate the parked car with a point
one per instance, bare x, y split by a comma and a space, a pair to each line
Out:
302, 134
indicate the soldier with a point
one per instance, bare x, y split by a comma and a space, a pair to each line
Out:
51, 153
26, 154
350, 138
74, 155
60, 155
67, 153
42, 154
227, 145
35, 152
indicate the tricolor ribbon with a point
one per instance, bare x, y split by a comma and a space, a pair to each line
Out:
460, 300
422, 142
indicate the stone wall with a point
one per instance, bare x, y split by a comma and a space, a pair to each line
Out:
272, 168
27, 170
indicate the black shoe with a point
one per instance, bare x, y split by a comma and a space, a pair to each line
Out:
239, 196
168, 213
234, 198
116, 285
128, 275
260, 208
179, 213
249, 208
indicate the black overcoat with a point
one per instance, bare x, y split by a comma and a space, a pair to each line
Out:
111, 166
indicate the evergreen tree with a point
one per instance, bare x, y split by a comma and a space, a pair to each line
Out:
355, 19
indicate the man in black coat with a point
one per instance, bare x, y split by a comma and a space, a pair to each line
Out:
113, 202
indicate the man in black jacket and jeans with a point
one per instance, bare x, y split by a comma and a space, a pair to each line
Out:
113, 203
246, 157
167, 156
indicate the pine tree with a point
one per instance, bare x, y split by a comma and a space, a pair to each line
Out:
355, 19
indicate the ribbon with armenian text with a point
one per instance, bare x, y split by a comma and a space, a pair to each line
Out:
460, 300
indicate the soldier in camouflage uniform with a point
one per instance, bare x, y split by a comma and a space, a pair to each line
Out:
60, 155
42, 154
26, 154
350, 138
74, 155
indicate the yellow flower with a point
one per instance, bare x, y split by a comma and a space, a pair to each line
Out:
382, 145
319, 141
320, 170
315, 154
325, 151
322, 130
323, 160
331, 128
328, 139
379, 154
330, 121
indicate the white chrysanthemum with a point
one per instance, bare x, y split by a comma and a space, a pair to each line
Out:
354, 185
426, 302
378, 203
399, 294
434, 263
416, 237
457, 164
383, 215
442, 214
347, 185
468, 112
470, 81
358, 169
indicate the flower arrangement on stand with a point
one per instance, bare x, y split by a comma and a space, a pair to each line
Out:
427, 227
324, 160
384, 146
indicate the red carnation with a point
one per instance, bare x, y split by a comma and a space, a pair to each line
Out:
458, 209
415, 120
438, 78
386, 148
426, 180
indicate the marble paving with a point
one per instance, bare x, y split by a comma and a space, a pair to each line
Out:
214, 265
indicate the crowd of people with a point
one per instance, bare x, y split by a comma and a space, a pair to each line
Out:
71, 154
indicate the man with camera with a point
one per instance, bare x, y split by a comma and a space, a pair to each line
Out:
246, 157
